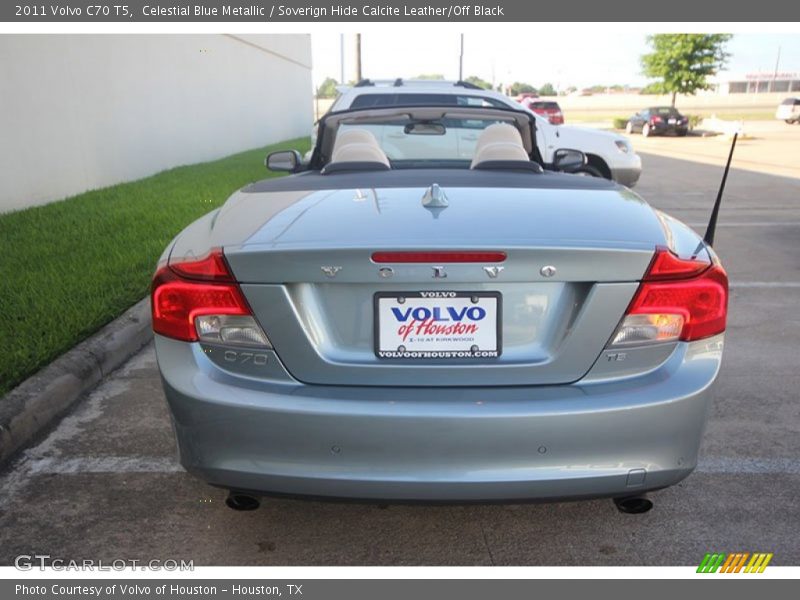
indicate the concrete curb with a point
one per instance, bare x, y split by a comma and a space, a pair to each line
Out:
35, 404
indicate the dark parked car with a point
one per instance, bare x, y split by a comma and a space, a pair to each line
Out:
658, 120
547, 108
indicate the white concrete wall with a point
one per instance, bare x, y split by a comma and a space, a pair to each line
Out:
79, 112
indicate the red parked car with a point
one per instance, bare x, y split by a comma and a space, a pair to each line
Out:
547, 108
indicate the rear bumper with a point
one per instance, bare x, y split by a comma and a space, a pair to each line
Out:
626, 176
445, 444
662, 129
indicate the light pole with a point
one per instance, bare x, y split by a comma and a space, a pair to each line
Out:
358, 57
341, 58
775, 73
461, 60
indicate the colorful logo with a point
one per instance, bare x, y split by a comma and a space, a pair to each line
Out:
734, 562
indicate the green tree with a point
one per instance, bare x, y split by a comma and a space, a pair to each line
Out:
475, 80
521, 88
682, 62
434, 76
327, 89
548, 90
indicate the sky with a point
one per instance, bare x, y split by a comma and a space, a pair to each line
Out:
543, 57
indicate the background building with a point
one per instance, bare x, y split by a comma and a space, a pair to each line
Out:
758, 83
79, 112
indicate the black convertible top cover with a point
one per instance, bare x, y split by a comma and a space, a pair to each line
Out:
401, 178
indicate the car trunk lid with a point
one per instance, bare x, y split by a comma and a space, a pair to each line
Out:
305, 262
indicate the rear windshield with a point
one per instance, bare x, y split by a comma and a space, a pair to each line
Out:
665, 110
546, 105
456, 142
422, 99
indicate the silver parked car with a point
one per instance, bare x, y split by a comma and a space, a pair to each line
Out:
404, 319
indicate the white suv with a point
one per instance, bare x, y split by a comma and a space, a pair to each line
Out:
609, 155
789, 110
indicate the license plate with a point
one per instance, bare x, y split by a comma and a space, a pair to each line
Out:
436, 325
672, 121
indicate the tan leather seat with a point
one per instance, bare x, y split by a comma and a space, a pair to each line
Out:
354, 136
360, 153
499, 142
499, 132
501, 151
358, 145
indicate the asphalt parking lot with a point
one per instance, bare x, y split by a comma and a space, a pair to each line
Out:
768, 147
105, 485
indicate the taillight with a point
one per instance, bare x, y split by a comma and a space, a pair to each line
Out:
666, 265
211, 267
677, 300
199, 300
655, 119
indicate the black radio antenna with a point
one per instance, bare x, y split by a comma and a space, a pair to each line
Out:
712, 222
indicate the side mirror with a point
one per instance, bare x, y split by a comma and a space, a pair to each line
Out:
566, 159
284, 160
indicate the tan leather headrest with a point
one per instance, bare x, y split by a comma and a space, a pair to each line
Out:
354, 136
499, 142
499, 152
360, 153
358, 145
499, 132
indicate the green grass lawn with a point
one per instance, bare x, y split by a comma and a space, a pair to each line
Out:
70, 267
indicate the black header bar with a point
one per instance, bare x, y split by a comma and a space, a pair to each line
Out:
269, 11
